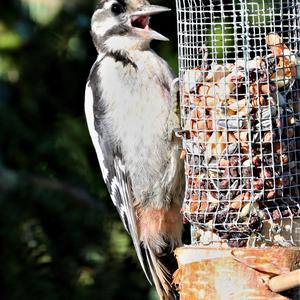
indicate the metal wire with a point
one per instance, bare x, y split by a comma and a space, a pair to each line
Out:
240, 109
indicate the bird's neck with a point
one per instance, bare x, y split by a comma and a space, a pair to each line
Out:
120, 56
121, 49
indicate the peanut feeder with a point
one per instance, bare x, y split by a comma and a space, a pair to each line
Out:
240, 93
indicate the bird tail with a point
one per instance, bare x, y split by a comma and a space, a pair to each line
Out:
159, 231
161, 268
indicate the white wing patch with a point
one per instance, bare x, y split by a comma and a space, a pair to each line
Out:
89, 112
114, 188
119, 190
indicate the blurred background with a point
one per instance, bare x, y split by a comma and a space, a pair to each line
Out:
60, 236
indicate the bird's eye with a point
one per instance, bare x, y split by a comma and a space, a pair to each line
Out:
117, 9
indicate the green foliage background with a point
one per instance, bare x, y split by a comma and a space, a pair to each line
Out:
60, 236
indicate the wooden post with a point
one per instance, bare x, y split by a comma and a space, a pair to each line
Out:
232, 274
285, 281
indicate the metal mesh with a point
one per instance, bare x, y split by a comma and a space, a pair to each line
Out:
240, 109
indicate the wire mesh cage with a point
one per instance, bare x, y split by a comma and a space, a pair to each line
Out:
240, 109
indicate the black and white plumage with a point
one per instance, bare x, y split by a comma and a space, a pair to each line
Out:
131, 116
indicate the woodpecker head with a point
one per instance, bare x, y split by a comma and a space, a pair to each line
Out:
119, 25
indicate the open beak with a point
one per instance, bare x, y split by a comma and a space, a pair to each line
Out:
139, 21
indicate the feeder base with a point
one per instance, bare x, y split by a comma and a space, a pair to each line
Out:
232, 274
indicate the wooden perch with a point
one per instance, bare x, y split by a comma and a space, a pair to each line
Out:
235, 273
285, 282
